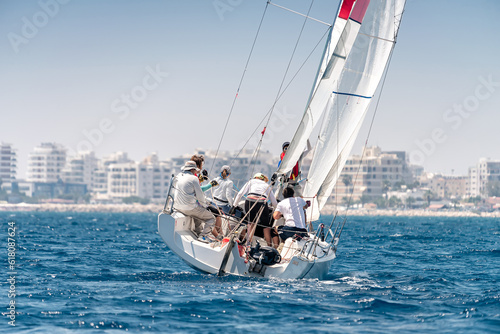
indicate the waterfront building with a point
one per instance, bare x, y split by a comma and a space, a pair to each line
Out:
48, 190
450, 187
46, 162
122, 180
80, 168
373, 175
456, 186
99, 182
483, 177
8, 163
148, 179
153, 178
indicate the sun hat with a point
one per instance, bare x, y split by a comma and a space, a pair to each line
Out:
226, 168
260, 176
189, 165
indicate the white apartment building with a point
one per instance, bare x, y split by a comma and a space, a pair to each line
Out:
153, 178
148, 179
46, 162
99, 183
486, 171
80, 168
8, 163
122, 180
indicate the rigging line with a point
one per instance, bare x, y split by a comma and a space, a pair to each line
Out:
239, 85
306, 16
380, 38
253, 161
284, 77
338, 140
283, 92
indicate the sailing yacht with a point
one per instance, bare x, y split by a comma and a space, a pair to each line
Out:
358, 48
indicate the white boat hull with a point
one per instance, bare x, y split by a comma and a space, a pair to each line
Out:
175, 230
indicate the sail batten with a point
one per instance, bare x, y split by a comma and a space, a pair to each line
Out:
351, 94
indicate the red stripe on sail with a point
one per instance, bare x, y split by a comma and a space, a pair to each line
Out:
345, 10
359, 11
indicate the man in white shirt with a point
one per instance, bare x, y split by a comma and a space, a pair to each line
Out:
190, 200
293, 210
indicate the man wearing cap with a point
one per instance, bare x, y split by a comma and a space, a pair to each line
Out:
190, 200
295, 170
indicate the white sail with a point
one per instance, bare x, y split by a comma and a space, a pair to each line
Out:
339, 45
351, 97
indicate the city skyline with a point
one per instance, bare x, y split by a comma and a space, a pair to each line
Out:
116, 178
161, 76
223, 154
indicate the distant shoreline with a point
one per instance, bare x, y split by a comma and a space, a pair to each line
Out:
417, 213
156, 208
105, 208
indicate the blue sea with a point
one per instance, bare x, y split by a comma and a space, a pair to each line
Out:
103, 272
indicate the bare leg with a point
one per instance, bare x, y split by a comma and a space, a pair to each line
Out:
218, 227
276, 242
267, 235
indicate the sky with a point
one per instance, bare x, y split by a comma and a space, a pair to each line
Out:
160, 76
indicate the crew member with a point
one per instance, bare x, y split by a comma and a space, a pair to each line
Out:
296, 169
258, 191
190, 200
293, 210
223, 194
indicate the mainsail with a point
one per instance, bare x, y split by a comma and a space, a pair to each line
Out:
345, 95
339, 44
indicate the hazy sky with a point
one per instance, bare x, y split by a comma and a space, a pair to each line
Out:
145, 76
